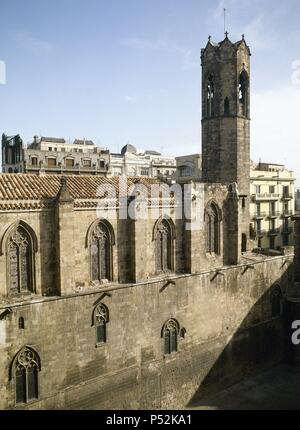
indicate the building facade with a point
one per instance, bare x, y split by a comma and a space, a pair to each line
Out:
272, 201
273, 205
48, 155
121, 293
297, 201
188, 167
132, 162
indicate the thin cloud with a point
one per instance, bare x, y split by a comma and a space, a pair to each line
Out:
33, 44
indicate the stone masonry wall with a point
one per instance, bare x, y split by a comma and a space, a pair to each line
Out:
229, 331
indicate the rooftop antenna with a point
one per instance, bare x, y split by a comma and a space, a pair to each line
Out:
224, 20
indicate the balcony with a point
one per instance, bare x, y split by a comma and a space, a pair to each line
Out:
287, 214
259, 215
264, 197
274, 214
273, 232
287, 196
59, 169
261, 233
287, 230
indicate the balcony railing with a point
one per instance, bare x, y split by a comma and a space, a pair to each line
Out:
273, 232
287, 230
287, 213
274, 214
287, 196
265, 196
259, 215
261, 233
63, 168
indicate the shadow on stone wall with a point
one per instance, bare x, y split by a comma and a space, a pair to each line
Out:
255, 346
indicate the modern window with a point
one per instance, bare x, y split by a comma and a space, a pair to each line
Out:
285, 240
87, 163
272, 208
51, 162
70, 162
144, 172
272, 225
258, 226
185, 171
258, 209
34, 161
117, 171
286, 190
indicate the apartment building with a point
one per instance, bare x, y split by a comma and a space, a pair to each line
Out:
134, 162
48, 155
272, 204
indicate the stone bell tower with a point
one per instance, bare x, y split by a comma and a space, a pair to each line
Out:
226, 123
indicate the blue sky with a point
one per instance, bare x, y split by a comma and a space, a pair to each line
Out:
129, 70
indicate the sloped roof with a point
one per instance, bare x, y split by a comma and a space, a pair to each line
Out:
25, 191
52, 139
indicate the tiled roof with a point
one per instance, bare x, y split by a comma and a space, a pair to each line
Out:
83, 142
25, 191
52, 139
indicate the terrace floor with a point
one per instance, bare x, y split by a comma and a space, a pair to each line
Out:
277, 388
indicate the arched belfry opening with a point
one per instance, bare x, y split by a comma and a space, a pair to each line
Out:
210, 97
243, 92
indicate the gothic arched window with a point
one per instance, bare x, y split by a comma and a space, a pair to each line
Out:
20, 261
101, 253
163, 246
276, 298
210, 97
26, 368
212, 229
101, 318
243, 92
170, 333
